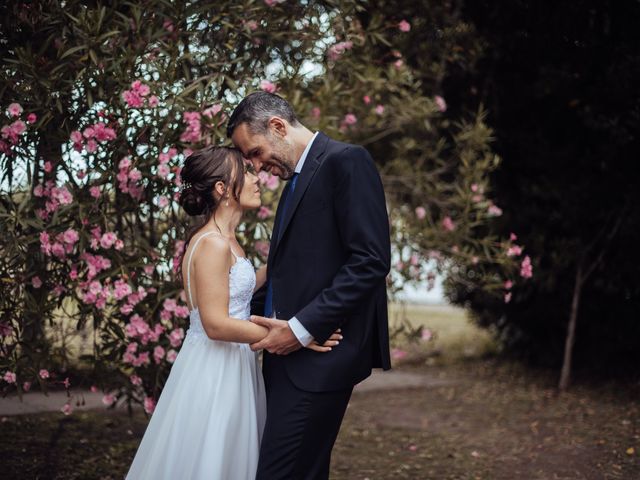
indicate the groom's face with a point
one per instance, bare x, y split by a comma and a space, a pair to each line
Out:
268, 152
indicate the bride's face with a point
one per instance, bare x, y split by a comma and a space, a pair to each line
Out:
250, 194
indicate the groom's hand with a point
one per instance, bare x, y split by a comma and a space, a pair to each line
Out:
280, 339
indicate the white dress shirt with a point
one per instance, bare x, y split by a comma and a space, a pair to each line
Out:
301, 333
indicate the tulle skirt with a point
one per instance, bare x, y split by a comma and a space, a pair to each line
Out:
209, 419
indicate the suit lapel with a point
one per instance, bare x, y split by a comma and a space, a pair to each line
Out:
309, 169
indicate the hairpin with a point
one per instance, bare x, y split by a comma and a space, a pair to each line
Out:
186, 185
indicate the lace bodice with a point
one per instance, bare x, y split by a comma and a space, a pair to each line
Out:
242, 281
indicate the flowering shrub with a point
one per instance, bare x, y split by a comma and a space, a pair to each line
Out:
91, 232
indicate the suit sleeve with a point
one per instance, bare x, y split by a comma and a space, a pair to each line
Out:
363, 224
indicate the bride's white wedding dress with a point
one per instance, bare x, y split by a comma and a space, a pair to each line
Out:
209, 419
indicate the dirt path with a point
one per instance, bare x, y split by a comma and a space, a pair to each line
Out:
474, 421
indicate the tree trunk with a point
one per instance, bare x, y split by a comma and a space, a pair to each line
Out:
565, 375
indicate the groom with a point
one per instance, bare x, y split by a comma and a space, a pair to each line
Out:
328, 261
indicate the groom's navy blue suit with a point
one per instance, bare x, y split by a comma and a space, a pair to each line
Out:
328, 262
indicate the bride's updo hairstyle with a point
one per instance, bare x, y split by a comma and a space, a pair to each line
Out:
199, 175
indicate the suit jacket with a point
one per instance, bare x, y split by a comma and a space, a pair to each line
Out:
328, 264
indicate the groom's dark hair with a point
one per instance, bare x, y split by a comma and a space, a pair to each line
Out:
257, 108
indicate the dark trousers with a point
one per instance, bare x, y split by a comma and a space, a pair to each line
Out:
301, 428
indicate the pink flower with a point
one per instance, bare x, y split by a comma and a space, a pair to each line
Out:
270, 181
366, 99
163, 171
169, 304
474, 187
526, 269
163, 201
513, 237
125, 163
182, 311
168, 25
379, 109
135, 380
421, 212
158, 354
149, 405
92, 146
66, 383
171, 356
9, 377
267, 86
335, 51
108, 399
108, 239
118, 245
398, 354
212, 111
440, 103
36, 282
43, 374
93, 389
262, 248
252, 25
153, 101
448, 224
61, 195
494, 211
14, 109
26, 386
264, 212
404, 26
508, 284
176, 336
95, 192
398, 63
426, 335
48, 167
76, 137
135, 175
507, 297
32, 118
66, 409
316, 112
350, 119
70, 236
514, 250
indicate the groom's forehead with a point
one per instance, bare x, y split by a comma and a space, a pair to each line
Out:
245, 140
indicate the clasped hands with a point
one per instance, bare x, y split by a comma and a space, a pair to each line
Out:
281, 341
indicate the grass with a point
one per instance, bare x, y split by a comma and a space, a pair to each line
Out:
489, 420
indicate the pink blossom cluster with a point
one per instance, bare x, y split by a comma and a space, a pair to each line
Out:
493, 210
404, 26
137, 94
262, 248
139, 329
94, 293
193, 132
133, 299
128, 179
268, 86
56, 196
62, 245
448, 224
526, 269
178, 249
163, 162
270, 181
92, 135
441, 104
170, 308
95, 264
10, 134
264, 212
335, 51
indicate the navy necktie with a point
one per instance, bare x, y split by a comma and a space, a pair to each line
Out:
268, 301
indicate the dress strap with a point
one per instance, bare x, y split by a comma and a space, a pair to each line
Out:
189, 266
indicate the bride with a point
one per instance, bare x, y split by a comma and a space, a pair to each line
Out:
209, 419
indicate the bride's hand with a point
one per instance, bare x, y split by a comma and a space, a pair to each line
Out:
333, 340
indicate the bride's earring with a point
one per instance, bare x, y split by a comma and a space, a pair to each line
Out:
227, 202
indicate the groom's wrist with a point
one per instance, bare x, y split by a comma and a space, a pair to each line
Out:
301, 333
